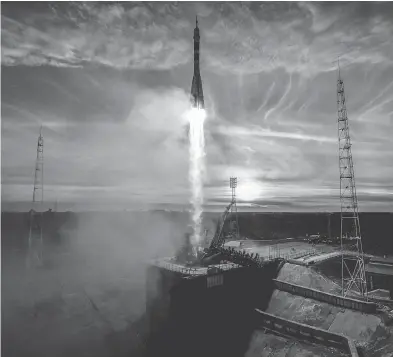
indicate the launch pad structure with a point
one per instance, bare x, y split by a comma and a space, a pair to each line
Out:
194, 310
211, 297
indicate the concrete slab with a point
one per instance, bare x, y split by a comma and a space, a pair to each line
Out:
360, 327
356, 325
308, 277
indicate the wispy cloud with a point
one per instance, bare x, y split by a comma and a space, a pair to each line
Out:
256, 131
116, 158
244, 38
74, 34
110, 82
305, 38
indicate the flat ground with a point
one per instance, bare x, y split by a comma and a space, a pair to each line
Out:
96, 292
285, 249
64, 313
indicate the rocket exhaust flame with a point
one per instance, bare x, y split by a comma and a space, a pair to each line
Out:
196, 170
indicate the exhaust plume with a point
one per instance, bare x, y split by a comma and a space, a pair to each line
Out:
196, 170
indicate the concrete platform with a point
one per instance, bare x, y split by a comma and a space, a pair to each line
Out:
195, 314
298, 250
291, 249
169, 264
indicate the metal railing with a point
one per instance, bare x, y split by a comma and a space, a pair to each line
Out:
178, 268
237, 258
241, 257
192, 270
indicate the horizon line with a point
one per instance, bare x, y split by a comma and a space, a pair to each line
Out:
187, 211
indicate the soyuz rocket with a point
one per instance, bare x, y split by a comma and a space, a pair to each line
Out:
196, 86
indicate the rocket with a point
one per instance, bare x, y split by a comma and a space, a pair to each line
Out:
196, 87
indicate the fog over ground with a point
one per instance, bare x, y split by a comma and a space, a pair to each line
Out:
93, 288
90, 299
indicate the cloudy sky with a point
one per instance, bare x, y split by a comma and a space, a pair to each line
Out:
110, 82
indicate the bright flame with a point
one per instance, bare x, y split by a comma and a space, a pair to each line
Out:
248, 191
196, 119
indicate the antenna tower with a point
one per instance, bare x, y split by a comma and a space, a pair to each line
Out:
35, 249
233, 185
352, 263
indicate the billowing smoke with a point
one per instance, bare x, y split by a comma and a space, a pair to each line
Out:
196, 170
93, 285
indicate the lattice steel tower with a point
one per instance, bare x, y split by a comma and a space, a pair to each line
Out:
35, 249
352, 263
234, 217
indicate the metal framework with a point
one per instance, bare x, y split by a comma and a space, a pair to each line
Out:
352, 267
35, 249
219, 239
234, 220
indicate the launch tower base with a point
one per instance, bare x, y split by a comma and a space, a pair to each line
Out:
206, 311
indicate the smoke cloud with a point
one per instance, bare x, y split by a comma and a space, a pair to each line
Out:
93, 285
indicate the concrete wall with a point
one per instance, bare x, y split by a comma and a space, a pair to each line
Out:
368, 307
159, 283
305, 332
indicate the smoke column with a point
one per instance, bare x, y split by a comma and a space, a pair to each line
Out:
196, 170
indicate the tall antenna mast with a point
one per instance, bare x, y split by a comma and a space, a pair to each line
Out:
35, 250
233, 185
352, 264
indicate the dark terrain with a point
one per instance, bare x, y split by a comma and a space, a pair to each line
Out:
376, 228
89, 299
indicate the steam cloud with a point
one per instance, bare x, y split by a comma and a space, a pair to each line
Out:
94, 286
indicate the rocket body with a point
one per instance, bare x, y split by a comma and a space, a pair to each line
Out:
196, 86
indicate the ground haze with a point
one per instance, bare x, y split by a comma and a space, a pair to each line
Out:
91, 293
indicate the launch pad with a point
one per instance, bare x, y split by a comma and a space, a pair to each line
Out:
194, 311
193, 270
